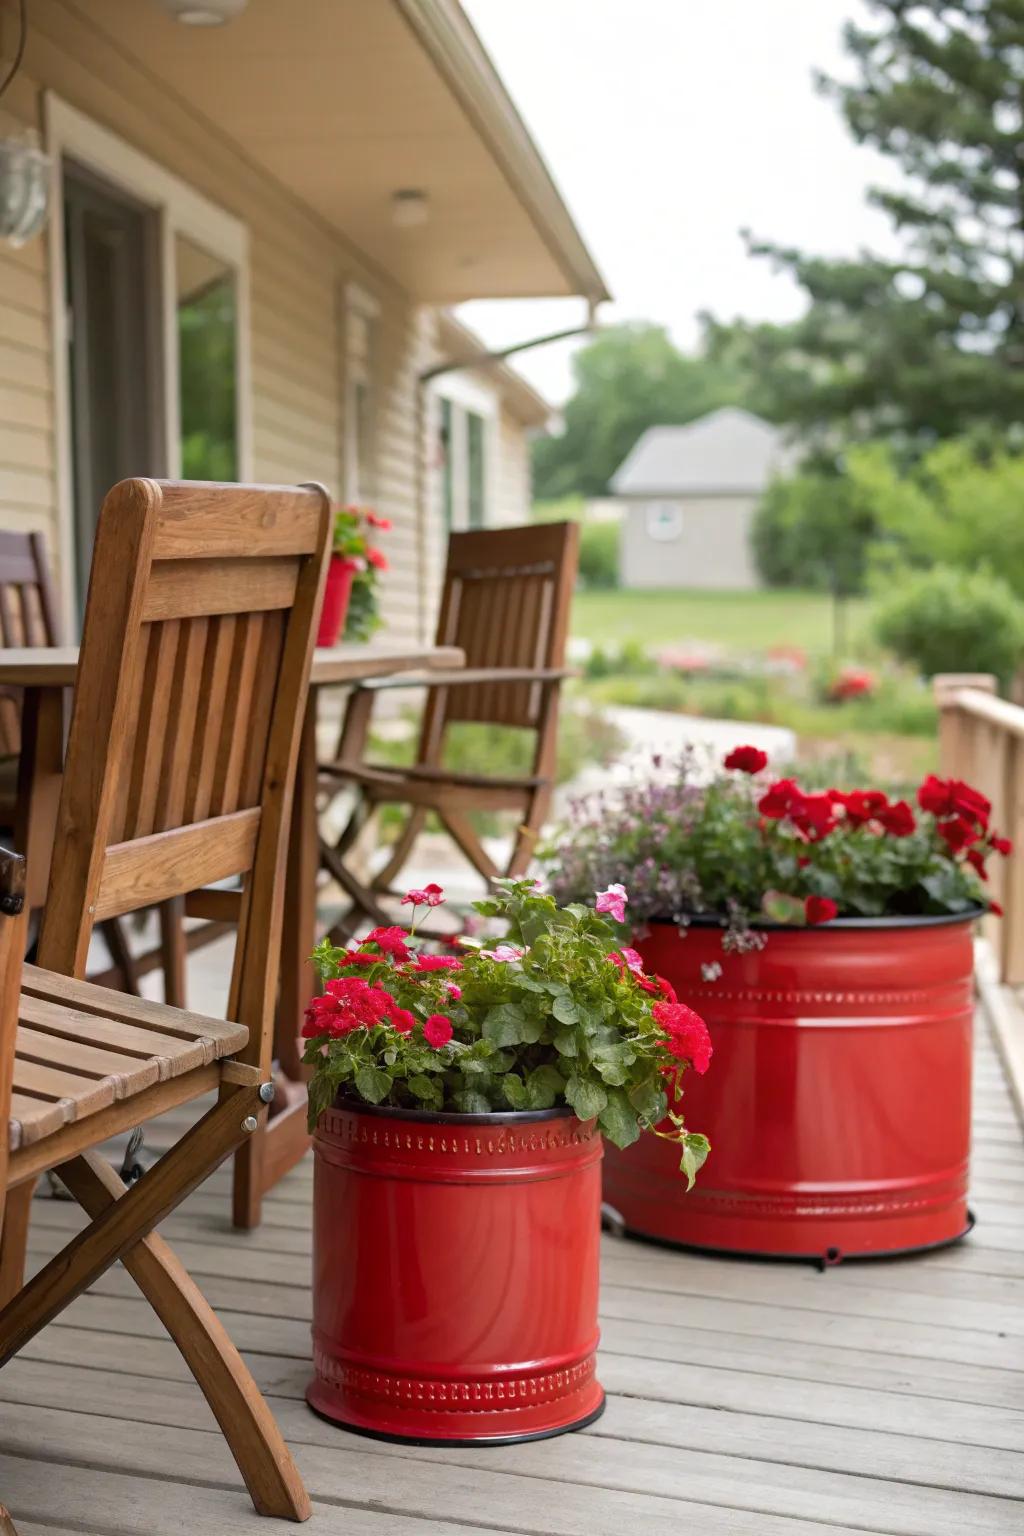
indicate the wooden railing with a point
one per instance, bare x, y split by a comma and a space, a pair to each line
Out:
981, 739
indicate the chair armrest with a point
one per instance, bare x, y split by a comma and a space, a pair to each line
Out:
467, 676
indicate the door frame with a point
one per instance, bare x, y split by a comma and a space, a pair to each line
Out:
177, 209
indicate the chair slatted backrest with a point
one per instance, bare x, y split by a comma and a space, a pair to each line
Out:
28, 616
506, 599
12, 947
198, 638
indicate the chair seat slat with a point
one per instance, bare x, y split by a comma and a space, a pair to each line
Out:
66, 992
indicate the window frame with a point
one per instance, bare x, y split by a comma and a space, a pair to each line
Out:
176, 209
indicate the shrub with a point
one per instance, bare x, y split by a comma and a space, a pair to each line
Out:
814, 530
599, 555
953, 620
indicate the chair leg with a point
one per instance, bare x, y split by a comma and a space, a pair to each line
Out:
462, 831
247, 1182
362, 898
14, 1239
173, 950
527, 834
120, 953
402, 849
246, 1422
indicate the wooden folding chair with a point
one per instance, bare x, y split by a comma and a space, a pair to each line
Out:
506, 602
180, 768
29, 617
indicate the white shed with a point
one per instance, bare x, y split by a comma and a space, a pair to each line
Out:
688, 496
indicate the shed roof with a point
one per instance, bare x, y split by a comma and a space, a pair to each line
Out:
728, 451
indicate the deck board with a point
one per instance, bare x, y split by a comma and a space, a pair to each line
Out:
745, 1399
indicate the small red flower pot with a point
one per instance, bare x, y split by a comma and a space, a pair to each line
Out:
337, 592
455, 1274
838, 1101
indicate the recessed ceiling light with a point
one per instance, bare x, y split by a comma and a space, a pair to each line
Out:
409, 207
205, 13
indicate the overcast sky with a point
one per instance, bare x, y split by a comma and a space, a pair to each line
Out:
670, 125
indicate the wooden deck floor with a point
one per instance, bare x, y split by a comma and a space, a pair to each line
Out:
745, 1399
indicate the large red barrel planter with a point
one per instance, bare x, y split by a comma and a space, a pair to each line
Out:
838, 1100
455, 1274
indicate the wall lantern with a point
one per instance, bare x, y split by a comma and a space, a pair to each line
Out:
24, 188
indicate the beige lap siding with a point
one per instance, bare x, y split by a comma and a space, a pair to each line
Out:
298, 269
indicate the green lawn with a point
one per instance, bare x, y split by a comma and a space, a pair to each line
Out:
740, 621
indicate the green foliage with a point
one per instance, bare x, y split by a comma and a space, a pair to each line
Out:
930, 342
206, 359
949, 620
900, 703
545, 1019
813, 530
599, 555
684, 846
629, 378
740, 622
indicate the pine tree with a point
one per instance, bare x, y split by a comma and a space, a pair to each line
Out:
931, 344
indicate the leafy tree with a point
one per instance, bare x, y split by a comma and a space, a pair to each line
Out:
813, 530
629, 378
932, 342
949, 620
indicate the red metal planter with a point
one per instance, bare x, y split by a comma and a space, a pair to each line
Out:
838, 1101
455, 1274
337, 592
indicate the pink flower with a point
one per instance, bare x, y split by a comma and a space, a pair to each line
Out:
613, 901
504, 953
377, 558
437, 1031
453, 991
376, 521
430, 896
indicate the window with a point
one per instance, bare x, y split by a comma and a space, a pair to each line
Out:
476, 470
360, 313
207, 331
664, 521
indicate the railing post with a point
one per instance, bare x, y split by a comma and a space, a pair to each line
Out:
954, 727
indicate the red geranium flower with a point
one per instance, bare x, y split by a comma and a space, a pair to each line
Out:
430, 896
437, 1031
860, 805
976, 859
359, 957
779, 798
820, 909
376, 521
688, 1038
1001, 845
438, 963
957, 833
402, 1020
995, 908
391, 941
376, 557
898, 819
747, 759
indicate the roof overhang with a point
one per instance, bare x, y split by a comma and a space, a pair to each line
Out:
347, 102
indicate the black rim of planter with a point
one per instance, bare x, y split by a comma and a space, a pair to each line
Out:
433, 1117
765, 925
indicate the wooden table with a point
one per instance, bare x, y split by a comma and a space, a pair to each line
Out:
46, 674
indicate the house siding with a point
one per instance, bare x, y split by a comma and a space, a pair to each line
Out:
514, 478
298, 272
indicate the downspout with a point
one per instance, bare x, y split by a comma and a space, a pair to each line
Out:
482, 359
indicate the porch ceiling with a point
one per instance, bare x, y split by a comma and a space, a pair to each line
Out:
349, 101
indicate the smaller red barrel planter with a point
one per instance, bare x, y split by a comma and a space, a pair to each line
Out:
455, 1274
838, 1101
337, 592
